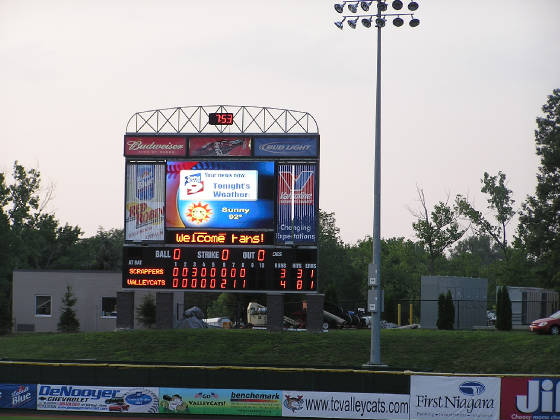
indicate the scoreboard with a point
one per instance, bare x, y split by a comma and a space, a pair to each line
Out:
221, 212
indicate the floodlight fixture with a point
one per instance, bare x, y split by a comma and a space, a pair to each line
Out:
397, 4
365, 5
367, 22
398, 21
378, 16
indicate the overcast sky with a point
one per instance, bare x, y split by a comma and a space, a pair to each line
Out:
460, 93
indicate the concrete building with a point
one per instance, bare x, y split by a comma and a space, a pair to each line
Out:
37, 300
103, 305
530, 303
469, 298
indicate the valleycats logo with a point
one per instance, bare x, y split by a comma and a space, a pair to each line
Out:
293, 403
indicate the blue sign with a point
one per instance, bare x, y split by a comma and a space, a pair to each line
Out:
18, 396
296, 204
286, 146
220, 195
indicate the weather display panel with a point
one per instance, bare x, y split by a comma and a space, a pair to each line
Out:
220, 195
233, 269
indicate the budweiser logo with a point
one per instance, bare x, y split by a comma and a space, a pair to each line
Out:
140, 145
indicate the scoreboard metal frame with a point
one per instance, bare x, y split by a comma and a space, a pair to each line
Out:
176, 241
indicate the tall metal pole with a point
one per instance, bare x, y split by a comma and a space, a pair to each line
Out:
375, 348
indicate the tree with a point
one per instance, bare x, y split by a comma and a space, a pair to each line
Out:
446, 312
100, 252
450, 309
30, 237
146, 311
500, 202
442, 314
333, 262
402, 264
68, 321
539, 221
503, 309
436, 230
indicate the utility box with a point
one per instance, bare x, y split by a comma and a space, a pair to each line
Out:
530, 303
470, 295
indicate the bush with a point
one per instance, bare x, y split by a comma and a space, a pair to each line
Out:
450, 310
503, 309
68, 321
446, 312
146, 312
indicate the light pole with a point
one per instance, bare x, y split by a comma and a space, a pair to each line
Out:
374, 270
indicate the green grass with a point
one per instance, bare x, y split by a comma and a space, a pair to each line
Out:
419, 350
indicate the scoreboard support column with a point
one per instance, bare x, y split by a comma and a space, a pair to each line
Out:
164, 310
275, 311
125, 310
315, 304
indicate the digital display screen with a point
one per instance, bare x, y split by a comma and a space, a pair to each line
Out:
219, 269
296, 203
220, 146
220, 194
243, 237
231, 212
220, 118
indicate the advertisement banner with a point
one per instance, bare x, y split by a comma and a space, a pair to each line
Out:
154, 146
530, 398
296, 204
97, 398
18, 396
286, 146
220, 195
342, 405
454, 397
145, 200
220, 146
238, 402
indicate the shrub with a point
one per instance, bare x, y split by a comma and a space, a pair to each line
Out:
503, 309
446, 312
146, 312
68, 321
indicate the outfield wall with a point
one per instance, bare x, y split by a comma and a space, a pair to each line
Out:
303, 393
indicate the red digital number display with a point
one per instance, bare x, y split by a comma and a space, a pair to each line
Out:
220, 269
220, 118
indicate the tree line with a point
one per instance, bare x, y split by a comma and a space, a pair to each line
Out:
453, 238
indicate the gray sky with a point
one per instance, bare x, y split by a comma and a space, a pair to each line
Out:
460, 93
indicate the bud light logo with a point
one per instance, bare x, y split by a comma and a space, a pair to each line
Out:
472, 388
295, 146
284, 148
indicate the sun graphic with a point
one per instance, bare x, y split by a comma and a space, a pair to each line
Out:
198, 213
